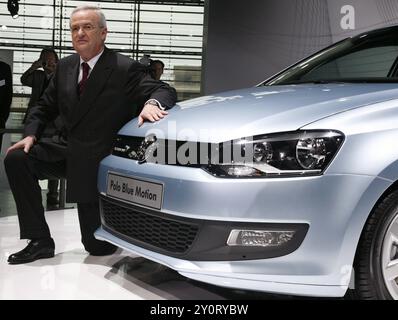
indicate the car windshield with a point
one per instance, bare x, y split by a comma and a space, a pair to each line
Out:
369, 58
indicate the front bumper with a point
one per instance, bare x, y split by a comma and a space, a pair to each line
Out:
189, 239
224, 274
334, 206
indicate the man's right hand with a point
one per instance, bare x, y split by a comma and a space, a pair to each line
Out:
24, 144
37, 64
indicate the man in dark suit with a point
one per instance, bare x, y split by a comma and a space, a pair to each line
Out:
5, 96
95, 92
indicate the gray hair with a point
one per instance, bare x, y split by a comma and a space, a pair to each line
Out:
97, 10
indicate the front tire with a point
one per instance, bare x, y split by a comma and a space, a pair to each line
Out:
376, 261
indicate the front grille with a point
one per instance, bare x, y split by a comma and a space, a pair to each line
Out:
194, 154
164, 233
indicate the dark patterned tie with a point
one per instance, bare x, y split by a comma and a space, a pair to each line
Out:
82, 83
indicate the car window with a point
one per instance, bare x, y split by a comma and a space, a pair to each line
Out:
366, 58
368, 63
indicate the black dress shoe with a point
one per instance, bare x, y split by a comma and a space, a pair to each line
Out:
36, 249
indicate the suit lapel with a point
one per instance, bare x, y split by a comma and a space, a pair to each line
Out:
95, 84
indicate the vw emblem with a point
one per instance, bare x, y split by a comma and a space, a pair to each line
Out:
147, 148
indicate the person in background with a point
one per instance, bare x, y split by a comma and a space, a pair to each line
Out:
38, 77
5, 96
157, 68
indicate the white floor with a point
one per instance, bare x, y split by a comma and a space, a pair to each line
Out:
73, 274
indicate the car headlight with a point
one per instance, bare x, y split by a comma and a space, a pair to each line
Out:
291, 154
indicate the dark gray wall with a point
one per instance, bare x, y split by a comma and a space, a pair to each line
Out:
248, 41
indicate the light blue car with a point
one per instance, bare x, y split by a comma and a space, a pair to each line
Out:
290, 187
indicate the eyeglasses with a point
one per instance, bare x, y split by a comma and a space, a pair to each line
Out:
85, 27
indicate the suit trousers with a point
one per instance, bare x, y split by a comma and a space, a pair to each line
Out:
23, 172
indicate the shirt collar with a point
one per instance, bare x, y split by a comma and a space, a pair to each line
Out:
93, 60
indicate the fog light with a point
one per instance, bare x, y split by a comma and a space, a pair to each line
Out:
259, 238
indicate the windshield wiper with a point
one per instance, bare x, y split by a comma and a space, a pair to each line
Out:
325, 81
309, 82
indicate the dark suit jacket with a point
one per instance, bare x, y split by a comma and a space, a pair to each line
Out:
38, 80
114, 94
5, 92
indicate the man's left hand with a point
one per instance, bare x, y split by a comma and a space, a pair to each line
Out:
151, 113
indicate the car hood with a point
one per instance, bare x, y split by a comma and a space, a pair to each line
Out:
260, 110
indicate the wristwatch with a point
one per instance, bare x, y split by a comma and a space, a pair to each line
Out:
154, 102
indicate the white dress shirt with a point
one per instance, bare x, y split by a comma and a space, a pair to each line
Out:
91, 64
